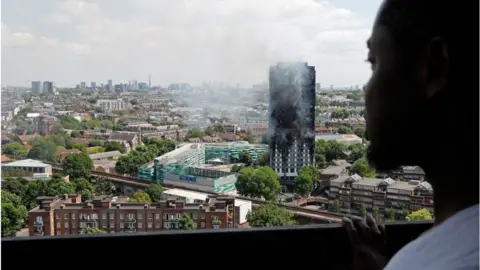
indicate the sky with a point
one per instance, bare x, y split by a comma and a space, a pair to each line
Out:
193, 41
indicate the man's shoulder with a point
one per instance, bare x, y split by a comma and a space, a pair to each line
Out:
450, 245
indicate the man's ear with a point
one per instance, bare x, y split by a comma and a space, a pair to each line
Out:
437, 66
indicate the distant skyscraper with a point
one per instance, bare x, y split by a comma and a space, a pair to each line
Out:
37, 87
149, 81
48, 87
291, 128
93, 85
83, 85
110, 86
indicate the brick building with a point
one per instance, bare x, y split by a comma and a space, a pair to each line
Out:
67, 215
354, 191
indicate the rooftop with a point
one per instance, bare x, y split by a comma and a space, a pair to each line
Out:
187, 194
26, 163
179, 154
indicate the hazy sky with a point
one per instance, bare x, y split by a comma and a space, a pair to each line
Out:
68, 41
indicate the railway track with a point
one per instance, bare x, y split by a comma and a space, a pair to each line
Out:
318, 214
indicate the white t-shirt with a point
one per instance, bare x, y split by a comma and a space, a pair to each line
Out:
452, 245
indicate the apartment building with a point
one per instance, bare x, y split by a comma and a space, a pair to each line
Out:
354, 191
68, 215
108, 105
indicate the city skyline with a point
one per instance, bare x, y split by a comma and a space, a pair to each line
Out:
94, 41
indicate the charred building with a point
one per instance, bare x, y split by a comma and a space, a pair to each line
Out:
291, 131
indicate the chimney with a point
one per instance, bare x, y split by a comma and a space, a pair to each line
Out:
62, 206
118, 206
65, 196
200, 207
212, 208
145, 206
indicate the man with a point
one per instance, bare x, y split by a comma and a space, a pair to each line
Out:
422, 109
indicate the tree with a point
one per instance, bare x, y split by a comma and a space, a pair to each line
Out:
14, 186
363, 210
186, 222
357, 151
56, 187
376, 213
155, 192
42, 150
422, 214
83, 187
303, 183
236, 168
362, 168
92, 231
140, 197
270, 215
78, 165
14, 213
258, 182
360, 132
15, 150
245, 158
208, 131
264, 159
103, 186
336, 206
390, 215
344, 130
114, 146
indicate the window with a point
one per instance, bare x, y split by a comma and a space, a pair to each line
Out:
57, 216
121, 216
39, 219
195, 216
140, 216
112, 216
157, 216
216, 226
58, 224
74, 216
157, 225
74, 225
140, 225
149, 225
130, 216
94, 216
203, 216
65, 216
66, 224
121, 225
202, 225
112, 225
104, 215
165, 216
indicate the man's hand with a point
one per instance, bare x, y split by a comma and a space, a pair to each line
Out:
368, 241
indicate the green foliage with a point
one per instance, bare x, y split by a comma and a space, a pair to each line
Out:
376, 213
129, 164
336, 206
155, 192
69, 122
390, 215
140, 197
422, 214
14, 213
114, 146
363, 210
270, 215
360, 132
77, 165
344, 130
15, 150
92, 231
13, 185
103, 185
340, 114
357, 151
245, 158
326, 151
186, 223
303, 183
362, 168
258, 182
195, 133
42, 149
264, 159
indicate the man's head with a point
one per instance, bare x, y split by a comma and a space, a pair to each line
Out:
408, 96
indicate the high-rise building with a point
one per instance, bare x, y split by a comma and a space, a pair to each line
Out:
48, 87
110, 86
291, 131
37, 87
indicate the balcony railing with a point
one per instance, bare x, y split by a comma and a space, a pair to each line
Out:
312, 246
